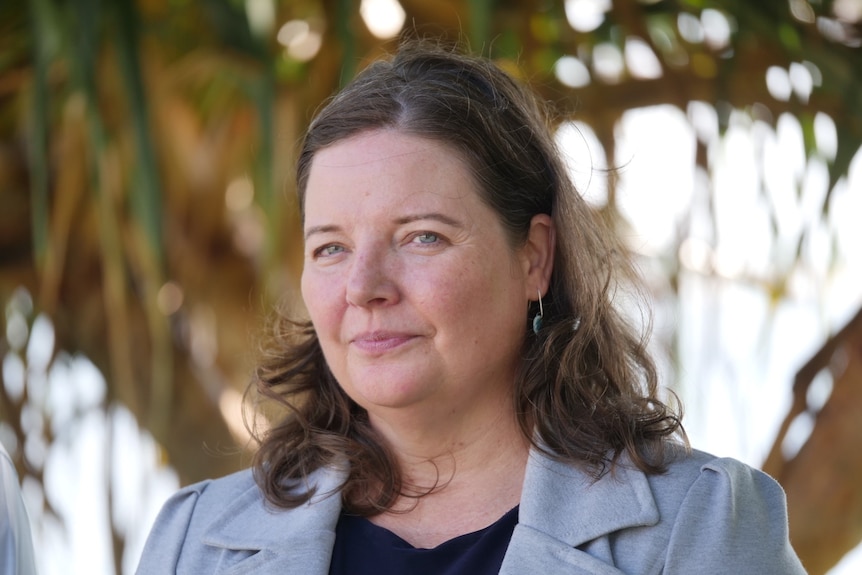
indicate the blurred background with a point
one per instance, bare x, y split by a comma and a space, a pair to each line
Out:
148, 227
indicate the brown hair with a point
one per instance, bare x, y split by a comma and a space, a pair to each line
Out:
587, 389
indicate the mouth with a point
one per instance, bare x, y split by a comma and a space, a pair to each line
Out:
379, 342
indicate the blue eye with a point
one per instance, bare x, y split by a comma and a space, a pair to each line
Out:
427, 238
329, 250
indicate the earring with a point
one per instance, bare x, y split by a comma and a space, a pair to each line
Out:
537, 321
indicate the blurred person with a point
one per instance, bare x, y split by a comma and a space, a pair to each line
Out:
16, 543
466, 397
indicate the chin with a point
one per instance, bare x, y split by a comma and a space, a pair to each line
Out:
387, 393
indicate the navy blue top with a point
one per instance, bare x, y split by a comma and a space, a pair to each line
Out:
363, 548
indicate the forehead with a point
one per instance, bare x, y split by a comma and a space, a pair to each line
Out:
365, 149
385, 165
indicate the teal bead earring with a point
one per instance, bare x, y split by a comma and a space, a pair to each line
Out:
537, 321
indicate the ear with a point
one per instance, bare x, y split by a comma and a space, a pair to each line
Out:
537, 255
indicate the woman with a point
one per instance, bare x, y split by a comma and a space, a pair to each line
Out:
16, 542
465, 398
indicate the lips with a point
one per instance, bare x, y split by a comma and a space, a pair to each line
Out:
379, 342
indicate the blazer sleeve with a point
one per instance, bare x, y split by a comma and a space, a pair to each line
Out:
168, 536
732, 520
16, 543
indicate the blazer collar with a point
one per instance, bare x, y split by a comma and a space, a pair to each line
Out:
561, 509
571, 506
298, 540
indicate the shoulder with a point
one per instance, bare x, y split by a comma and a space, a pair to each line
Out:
702, 481
734, 515
686, 470
186, 516
211, 490
205, 500
219, 523
705, 514
15, 540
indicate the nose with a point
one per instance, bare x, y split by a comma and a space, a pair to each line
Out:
370, 282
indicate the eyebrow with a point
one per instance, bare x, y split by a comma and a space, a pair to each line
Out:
435, 216
430, 216
320, 230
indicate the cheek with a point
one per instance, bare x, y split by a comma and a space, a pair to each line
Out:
466, 300
321, 301
494, 300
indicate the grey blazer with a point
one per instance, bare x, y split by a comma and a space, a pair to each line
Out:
16, 543
705, 516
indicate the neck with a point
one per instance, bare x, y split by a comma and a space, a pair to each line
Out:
469, 476
435, 449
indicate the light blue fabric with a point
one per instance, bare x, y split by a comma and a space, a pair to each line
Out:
16, 544
705, 516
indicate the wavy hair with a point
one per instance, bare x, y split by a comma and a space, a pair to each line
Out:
587, 389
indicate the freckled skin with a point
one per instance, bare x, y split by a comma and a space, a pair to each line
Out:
418, 299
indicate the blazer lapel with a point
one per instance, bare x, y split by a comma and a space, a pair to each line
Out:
563, 509
563, 512
273, 541
531, 551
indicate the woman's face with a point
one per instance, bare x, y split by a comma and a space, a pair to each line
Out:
416, 295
